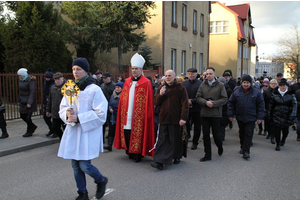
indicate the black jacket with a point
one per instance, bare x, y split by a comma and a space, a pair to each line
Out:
192, 88
282, 109
297, 95
108, 89
47, 86
54, 100
295, 87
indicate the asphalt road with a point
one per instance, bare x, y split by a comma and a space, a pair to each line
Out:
39, 174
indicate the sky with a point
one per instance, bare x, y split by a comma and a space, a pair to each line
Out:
272, 20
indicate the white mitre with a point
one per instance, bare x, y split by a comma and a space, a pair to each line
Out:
137, 61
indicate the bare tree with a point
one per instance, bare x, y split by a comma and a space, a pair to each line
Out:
289, 49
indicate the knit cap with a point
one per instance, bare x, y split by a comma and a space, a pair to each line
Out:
83, 63
247, 78
22, 72
49, 73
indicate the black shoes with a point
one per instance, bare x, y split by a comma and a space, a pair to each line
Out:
54, 135
241, 151
205, 159
82, 196
176, 161
298, 139
4, 135
194, 147
220, 151
268, 137
109, 148
273, 140
277, 148
27, 134
157, 165
48, 134
101, 188
265, 133
246, 155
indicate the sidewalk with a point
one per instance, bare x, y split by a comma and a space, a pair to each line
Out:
16, 142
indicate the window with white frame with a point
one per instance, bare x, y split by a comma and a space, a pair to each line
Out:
173, 59
183, 56
174, 6
201, 63
219, 27
194, 60
202, 23
195, 21
183, 16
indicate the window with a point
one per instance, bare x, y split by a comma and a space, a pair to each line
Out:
173, 59
201, 63
184, 17
202, 24
195, 22
218, 27
174, 16
183, 56
194, 60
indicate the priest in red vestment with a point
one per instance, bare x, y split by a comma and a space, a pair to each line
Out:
135, 119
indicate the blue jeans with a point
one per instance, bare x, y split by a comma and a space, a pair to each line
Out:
80, 167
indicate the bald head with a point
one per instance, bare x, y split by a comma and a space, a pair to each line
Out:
170, 76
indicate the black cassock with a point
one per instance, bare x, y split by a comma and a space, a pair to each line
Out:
169, 145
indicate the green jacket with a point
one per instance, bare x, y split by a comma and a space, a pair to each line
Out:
217, 93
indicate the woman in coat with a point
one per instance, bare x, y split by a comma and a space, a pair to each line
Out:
27, 101
282, 112
267, 94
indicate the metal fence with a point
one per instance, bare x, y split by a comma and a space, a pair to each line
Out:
9, 93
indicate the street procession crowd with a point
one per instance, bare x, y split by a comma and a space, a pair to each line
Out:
154, 118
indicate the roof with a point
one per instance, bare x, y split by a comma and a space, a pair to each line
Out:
242, 10
241, 13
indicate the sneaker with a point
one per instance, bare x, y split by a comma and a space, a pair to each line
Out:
82, 196
101, 188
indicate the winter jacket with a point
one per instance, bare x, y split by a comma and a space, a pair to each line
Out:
174, 104
114, 104
295, 87
107, 89
192, 88
47, 86
217, 93
282, 109
225, 120
27, 91
267, 94
54, 100
297, 95
2, 119
246, 107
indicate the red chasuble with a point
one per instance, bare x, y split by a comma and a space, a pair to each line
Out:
142, 137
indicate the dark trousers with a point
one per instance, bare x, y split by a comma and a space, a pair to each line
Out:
195, 116
111, 134
214, 124
57, 126
27, 118
169, 145
265, 126
246, 134
127, 134
269, 129
48, 121
106, 124
277, 133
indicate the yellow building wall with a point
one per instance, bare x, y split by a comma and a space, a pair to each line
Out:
176, 38
223, 50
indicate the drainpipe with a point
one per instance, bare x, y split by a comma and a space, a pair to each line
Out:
163, 39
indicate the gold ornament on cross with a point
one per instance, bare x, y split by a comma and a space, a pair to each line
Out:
71, 91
